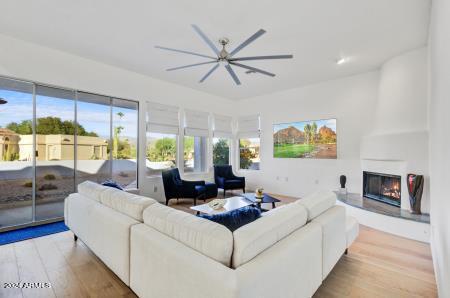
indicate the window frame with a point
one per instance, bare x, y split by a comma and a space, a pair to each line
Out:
205, 158
229, 141
238, 159
158, 174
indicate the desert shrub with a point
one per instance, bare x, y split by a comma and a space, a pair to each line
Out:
47, 186
49, 177
123, 174
28, 184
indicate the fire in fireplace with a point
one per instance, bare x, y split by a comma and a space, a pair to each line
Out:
382, 187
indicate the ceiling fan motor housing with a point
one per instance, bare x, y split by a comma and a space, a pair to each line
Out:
223, 55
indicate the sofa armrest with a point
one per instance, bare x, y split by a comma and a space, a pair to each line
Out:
188, 187
234, 177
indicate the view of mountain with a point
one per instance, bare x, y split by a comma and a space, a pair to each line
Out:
289, 135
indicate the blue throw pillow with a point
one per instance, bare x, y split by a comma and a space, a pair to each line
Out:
112, 183
235, 219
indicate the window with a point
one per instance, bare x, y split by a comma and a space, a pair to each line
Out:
194, 154
196, 130
93, 135
107, 135
249, 153
162, 138
161, 152
124, 141
221, 151
249, 142
61, 138
222, 140
55, 164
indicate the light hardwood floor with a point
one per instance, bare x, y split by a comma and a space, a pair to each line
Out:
378, 265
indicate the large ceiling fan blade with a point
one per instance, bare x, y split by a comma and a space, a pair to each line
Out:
209, 72
185, 52
233, 74
206, 39
253, 69
263, 57
248, 41
190, 65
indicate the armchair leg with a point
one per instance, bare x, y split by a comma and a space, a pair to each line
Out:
195, 201
75, 237
243, 190
224, 193
167, 202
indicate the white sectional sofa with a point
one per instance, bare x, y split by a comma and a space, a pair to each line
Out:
163, 252
102, 217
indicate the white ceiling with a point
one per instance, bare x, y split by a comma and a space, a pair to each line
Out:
316, 32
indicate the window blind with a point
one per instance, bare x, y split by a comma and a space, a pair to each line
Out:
248, 126
196, 123
222, 126
162, 118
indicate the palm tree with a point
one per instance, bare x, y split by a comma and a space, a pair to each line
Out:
117, 131
313, 132
307, 130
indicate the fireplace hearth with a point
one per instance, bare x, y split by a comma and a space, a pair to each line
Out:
382, 187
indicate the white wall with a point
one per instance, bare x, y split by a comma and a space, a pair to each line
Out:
29, 61
440, 143
403, 94
350, 100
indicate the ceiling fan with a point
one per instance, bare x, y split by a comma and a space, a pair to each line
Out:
225, 58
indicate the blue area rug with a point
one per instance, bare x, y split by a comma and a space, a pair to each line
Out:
32, 232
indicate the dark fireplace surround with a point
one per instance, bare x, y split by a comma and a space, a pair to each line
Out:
382, 187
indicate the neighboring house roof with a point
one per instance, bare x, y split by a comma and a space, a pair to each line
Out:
6, 132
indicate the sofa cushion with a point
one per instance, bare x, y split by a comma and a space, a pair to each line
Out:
200, 189
234, 219
126, 203
207, 237
233, 183
252, 239
91, 190
317, 203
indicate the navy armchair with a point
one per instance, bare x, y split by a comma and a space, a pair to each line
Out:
175, 187
225, 179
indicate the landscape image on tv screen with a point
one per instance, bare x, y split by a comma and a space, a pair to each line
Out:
306, 139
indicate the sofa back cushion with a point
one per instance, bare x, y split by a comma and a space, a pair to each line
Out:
209, 238
126, 203
91, 190
254, 238
317, 203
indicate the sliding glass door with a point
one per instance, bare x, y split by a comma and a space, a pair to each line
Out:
55, 146
125, 142
52, 139
16, 153
93, 137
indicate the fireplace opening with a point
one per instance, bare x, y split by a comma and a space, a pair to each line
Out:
382, 187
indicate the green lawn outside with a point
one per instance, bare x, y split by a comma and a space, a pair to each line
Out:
291, 150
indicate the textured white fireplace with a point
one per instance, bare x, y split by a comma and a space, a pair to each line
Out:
398, 154
398, 142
